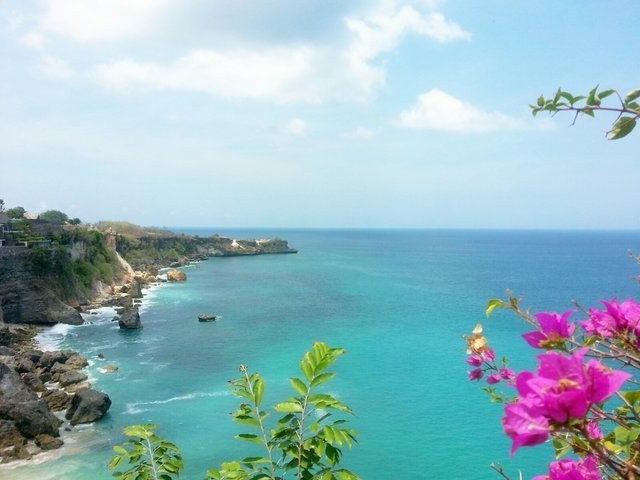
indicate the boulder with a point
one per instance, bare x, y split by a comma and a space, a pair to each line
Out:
56, 399
76, 387
12, 388
33, 355
24, 365
87, 406
33, 418
58, 368
71, 377
109, 369
19, 452
33, 382
76, 361
10, 435
130, 319
7, 351
49, 358
176, 276
47, 442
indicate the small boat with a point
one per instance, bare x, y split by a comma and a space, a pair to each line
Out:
203, 317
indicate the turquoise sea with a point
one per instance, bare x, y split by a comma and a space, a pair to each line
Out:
398, 301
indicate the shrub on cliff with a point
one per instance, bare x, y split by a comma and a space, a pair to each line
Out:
54, 216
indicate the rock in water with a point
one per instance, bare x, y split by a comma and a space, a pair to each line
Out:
130, 319
176, 276
87, 406
47, 442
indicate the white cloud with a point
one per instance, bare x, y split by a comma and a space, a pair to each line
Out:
360, 133
296, 126
55, 67
437, 110
97, 20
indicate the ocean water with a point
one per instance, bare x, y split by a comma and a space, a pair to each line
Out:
398, 301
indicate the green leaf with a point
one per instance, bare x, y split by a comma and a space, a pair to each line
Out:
540, 101
605, 93
306, 369
288, 407
250, 438
622, 128
492, 305
592, 99
632, 95
258, 391
320, 379
299, 386
246, 420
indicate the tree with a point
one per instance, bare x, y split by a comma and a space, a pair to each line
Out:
75, 221
54, 216
15, 212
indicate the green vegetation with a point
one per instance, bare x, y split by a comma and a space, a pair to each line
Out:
304, 444
627, 108
150, 457
54, 216
16, 212
67, 275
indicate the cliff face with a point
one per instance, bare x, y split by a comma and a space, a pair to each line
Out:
25, 297
151, 252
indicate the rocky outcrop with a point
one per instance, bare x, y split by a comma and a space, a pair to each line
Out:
130, 319
25, 297
87, 406
174, 275
27, 424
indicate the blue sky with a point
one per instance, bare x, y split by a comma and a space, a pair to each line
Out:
316, 113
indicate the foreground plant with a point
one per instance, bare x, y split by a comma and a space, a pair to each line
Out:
149, 456
305, 443
567, 398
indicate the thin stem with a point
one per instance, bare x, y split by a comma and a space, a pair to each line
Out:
300, 432
153, 462
262, 431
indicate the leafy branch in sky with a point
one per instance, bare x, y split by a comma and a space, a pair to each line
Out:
627, 108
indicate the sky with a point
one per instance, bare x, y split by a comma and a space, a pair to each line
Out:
316, 113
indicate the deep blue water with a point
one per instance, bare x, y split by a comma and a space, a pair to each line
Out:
398, 301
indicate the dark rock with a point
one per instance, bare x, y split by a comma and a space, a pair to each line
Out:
33, 418
130, 319
7, 352
47, 442
10, 435
49, 358
100, 356
24, 365
33, 382
71, 377
119, 310
56, 399
33, 355
76, 361
58, 368
12, 388
87, 406
45, 377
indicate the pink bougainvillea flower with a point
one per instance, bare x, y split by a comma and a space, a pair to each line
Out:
594, 431
554, 328
489, 355
567, 469
524, 424
563, 388
617, 318
476, 374
493, 378
507, 374
475, 361
603, 381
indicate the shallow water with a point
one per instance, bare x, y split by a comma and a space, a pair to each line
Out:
398, 301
